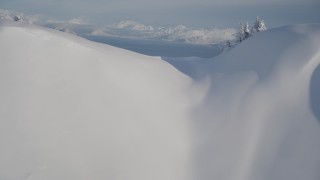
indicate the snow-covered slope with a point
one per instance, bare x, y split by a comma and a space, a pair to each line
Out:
260, 118
74, 109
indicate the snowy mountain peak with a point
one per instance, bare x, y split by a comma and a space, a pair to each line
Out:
128, 24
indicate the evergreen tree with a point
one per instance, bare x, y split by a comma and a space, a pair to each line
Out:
244, 32
241, 33
259, 25
247, 31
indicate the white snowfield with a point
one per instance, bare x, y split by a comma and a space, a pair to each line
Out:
71, 109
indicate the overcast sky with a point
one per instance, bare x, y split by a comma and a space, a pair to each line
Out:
196, 13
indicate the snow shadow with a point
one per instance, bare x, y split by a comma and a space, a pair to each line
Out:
315, 93
190, 66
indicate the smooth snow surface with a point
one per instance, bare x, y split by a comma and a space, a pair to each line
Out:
72, 109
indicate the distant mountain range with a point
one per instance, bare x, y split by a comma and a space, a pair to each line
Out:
130, 29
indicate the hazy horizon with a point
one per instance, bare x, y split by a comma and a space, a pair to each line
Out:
192, 13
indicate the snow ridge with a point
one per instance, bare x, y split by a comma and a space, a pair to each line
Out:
75, 109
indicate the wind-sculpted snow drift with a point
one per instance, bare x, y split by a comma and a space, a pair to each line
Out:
75, 109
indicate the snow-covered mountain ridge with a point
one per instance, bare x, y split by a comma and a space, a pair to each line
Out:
129, 29
75, 109
177, 33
